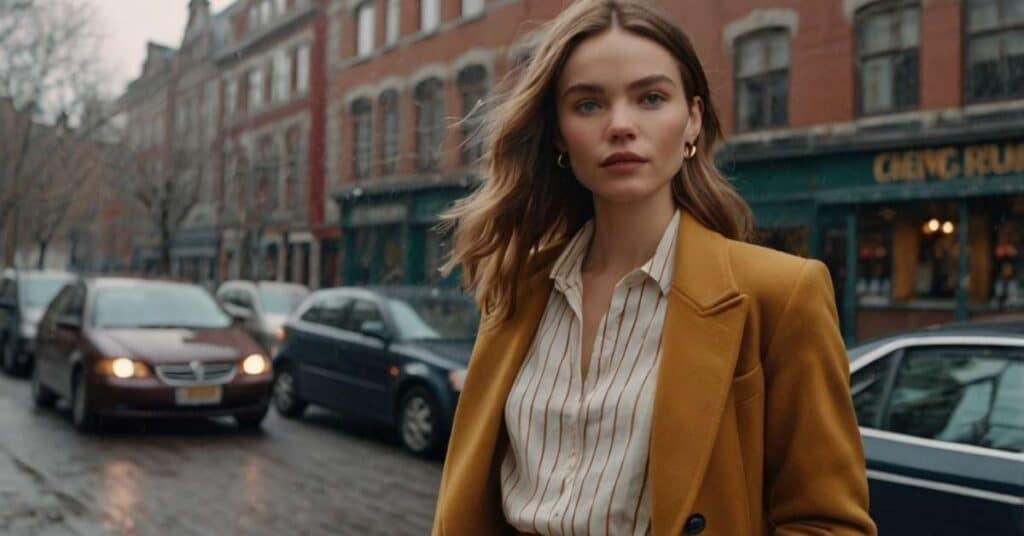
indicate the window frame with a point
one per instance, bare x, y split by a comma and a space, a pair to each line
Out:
429, 137
361, 115
430, 24
969, 35
472, 147
390, 141
898, 50
764, 35
366, 25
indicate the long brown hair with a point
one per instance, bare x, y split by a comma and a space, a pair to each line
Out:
527, 203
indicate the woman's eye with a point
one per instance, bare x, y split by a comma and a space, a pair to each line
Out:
586, 107
653, 99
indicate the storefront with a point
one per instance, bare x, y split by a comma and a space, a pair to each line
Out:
927, 233
390, 237
194, 255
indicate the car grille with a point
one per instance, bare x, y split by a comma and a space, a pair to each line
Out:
196, 373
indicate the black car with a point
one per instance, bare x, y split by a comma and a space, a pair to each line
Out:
392, 355
941, 414
24, 296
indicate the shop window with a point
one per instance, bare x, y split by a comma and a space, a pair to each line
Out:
995, 50
791, 240
762, 80
389, 131
888, 34
997, 267
362, 124
472, 82
429, 100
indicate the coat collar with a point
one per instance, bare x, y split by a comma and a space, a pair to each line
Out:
703, 326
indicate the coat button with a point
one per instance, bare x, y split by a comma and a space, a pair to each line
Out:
695, 524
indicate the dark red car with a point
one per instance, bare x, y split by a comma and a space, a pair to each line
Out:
118, 347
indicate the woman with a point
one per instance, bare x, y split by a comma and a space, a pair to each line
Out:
640, 368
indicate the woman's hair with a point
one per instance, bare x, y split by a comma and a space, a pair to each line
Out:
526, 202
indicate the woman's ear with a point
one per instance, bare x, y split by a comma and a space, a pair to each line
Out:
695, 119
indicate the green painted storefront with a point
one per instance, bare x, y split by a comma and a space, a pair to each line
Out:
819, 203
390, 235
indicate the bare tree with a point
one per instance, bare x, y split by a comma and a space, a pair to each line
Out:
47, 64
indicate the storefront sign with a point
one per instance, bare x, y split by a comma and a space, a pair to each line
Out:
945, 163
375, 214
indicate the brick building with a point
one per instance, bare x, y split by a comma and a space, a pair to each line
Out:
272, 120
855, 127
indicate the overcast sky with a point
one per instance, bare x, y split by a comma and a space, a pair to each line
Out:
128, 24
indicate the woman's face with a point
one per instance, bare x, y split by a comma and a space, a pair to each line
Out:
623, 116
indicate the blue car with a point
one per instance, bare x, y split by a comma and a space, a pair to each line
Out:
941, 414
393, 355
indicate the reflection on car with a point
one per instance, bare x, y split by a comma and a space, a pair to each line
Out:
118, 347
24, 295
261, 307
941, 413
394, 355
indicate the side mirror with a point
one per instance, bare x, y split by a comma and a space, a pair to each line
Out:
375, 329
240, 314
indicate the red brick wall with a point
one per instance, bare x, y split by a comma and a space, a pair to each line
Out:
941, 54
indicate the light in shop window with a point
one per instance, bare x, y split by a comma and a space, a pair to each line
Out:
932, 226
948, 228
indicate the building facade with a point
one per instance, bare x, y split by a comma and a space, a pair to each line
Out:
272, 175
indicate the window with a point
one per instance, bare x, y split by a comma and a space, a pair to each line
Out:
762, 80
362, 140
887, 56
389, 131
280, 6
327, 311
472, 7
472, 82
366, 22
282, 76
210, 109
868, 386
971, 395
393, 21
429, 103
362, 314
995, 50
254, 17
430, 15
255, 89
302, 69
231, 97
268, 7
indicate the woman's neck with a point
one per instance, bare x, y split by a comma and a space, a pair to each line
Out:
626, 235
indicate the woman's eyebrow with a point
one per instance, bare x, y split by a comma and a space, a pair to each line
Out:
636, 84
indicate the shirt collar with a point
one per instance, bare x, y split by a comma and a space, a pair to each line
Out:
660, 268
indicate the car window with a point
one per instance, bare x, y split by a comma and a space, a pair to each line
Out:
60, 302
867, 386
8, 290
244, 299
37, 291
157, 305
971, 395
326, 310
75, 307
281, 300
362, 311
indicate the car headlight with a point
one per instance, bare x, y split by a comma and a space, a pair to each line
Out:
122, 367
255, 364
457, 379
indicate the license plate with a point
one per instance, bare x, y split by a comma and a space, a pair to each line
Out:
202, 394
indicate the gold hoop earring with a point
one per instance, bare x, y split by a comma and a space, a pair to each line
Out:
563, 160
689, 150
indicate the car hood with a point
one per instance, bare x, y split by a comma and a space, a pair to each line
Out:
456, 351
175, 345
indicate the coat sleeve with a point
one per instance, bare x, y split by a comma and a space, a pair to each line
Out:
815, 475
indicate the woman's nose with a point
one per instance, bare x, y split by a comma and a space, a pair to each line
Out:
622, 125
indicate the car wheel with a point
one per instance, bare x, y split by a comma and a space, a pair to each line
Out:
251, 421
286, 394
42, 396
82, 416
418, 422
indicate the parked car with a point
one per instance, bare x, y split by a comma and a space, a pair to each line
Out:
396, 356
24, 295
261, 307
118, 347
941, 413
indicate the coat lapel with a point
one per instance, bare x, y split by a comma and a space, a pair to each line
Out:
700, 345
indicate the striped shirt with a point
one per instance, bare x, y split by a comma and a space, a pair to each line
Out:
577, 457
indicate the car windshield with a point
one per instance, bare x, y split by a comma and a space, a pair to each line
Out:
158, 306
281, 300
431, 318
37, 291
